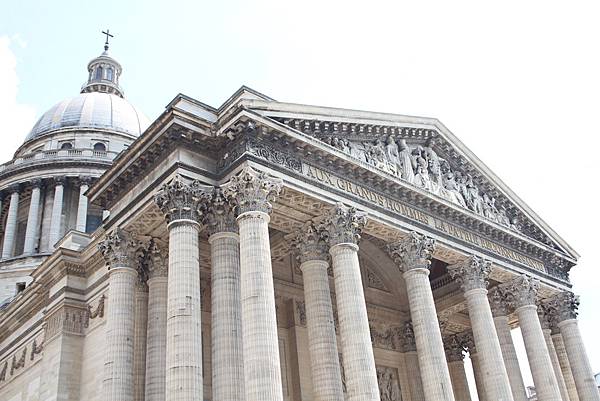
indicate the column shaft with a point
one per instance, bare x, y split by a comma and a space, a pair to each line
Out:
82, 207
260, 340
414, 376
578, 359
556, 365
55, 222
357, 351
139, 341
33, 222
481, 394
10, 230
458, 376
118, 365
156, 339
494, 373
510, 358
565, 366
322, 344
430, 348
184, 345
545, 382
226, 327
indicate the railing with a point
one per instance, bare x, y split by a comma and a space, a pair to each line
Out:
441, 281
58, 155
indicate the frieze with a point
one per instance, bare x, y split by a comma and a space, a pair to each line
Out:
67, 319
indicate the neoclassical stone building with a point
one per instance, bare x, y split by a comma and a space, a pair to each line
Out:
267, 251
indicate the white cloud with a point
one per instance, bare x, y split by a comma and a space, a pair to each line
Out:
17, 118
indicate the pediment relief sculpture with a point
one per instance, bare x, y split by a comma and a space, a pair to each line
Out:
422, 167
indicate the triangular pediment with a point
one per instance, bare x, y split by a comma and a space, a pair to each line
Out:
423, 153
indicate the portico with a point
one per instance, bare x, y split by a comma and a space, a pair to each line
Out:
289, 252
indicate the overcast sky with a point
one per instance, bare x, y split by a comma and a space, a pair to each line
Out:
518, 82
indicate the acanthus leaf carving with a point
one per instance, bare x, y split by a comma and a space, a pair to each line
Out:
310, 243
253, 190
344, 224
412, 252
471, 273
180, 200
522, 291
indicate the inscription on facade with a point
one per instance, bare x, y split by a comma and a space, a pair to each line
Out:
392, 205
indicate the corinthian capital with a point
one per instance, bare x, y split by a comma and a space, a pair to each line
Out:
344, 224
499, 301
544, 312
471, 273
120, 249
253, 190
454, 347
523, 290
412, 252
564, 305
179, 200
311, 243
157, 259
220, 214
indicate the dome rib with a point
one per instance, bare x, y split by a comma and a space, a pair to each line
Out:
91, 110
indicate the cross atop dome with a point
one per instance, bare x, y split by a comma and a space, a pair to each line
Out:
104, 72
108, 34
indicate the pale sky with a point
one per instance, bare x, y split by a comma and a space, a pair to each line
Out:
518, 82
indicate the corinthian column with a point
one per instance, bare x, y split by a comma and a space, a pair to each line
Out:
470, 345
544, 312
33, 218
57, 206
412, 362
565, 305
523, 294
563, 360
472, 274
82, 205
499, 305
413, 257
322, 345
226, 309
156, 339
10, 230
119, 250
343, 226
454, 353
181, 202
140, 337
253, 191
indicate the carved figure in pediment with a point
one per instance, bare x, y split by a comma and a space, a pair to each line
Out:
503, 217
488, 207
422, 179
391, 149
434, 166
376, 153
474, 200
357, 150
406, 163
450, 189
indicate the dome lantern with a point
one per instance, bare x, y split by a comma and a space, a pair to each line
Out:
104, 72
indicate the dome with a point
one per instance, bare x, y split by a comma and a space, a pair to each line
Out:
94, 110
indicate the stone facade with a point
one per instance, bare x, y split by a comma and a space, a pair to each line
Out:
265, 251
